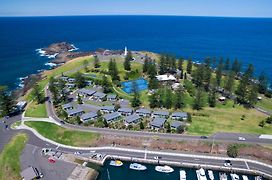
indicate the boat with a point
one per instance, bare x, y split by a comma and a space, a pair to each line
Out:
258, 178
116, 163
136, 166
223, 176
210, 173
182, 175
200, 173
164, 169
234, 177
245, 177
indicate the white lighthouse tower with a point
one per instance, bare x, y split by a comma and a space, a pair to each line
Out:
125, 53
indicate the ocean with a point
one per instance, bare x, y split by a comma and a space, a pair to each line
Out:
248, 39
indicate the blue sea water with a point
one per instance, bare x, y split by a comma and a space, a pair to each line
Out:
248, 39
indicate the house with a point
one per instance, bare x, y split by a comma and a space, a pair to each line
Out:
67, 106
64, 78
107, 109
143, 112
166, 77
175, 86
111, 117
132, 119
163, 114
88, 116
176, 124
222, 98
70, 85
111, 97
21, 105
30, 173
179, 115
157, 123
125, 111
99, 96
75, 112
71, 80
86, 92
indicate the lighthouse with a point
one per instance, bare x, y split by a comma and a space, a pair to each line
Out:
125, 51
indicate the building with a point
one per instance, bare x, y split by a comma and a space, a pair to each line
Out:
71, 80
143, 112
111, 117
64, 78
179, 115
166, 77
157, 123
75, 112
111, 97
125, 111
30, 173
70, 85
88, 116
132, 119
99, 96
86, 92
162, 114
107, 109
176, 124
67, 106
21, 105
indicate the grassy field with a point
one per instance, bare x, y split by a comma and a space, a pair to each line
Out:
62, 135
265, 103
36, 110
10, 157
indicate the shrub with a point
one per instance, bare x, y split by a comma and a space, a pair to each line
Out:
262, 123
232, 150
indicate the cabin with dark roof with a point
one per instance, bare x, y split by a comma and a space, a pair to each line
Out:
179, 115
99, 96
67, 106
111, 97
157, 123
125, 111
88, 116
111, 117
71, 80
86, 92
107, 109
143, 112
162, 114
132, 119
176, 124
75, 112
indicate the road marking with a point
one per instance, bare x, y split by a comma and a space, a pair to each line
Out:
145, 154
247, 165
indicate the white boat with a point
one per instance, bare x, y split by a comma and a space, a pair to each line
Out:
182, 175
210, 173
223, 176
258, 178
116, 163
245, 177
234, 177
136, 166
164, 169
200, 173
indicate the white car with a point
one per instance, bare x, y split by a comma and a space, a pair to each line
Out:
241, 139
77, 153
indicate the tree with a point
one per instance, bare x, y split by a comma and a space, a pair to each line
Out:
168, 101
236, 66
96, 62
37, 94
198, 100
252, 95
230, 81
180, 129
80, 80
113, 71
79, 100
141, 125
227, 65
6, 102
85, 65
162, 65
135, 102
180, 64
218, 72
198, 75
153, 101
189, 66
146, 64
128, 58
179, 97
168, 127
263, 83
106, 85
53, 89
232, 150
212, 98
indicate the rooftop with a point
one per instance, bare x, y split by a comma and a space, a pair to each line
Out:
99, 94
158, 122
111, 116
179, 114
143, 111
89, 92
176, 124
29, 173
109, 108
68, 105
163, 113
166, 77
132, 118
127, 110
89, 115
74, 111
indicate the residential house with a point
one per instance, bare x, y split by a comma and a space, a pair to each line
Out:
111, 117
162, 114
125, 111
111, 97
176, 124
71, 80
75, 112
157, 123
179, 115
143, 112
99, 96
88, 116
70, 85
67, 106
64, 78
132, 119
166, 77
86, 92
107, 109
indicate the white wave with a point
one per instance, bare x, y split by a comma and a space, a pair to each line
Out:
50, 64
74, 48
41, 52
40, 70
21, 82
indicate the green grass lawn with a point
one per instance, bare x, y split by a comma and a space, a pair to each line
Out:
10, 157
36, 110
265, 103
62, 135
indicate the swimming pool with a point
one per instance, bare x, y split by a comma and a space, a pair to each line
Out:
141, 84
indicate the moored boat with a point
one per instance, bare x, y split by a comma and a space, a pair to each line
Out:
200, 173
116, 163
164, 169
245, 177
210, 173
182, 175
234, 177
136, 166
223, 176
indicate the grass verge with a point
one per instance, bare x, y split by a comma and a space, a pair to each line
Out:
10, 157
62, 135
36, 110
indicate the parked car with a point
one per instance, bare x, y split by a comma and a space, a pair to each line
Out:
241, 139
203, 137
227, 163
50, 160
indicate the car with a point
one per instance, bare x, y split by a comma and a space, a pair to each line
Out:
241, 139
62, 122
157, 157
46, 150
77, 153
227, 163
203, 137
50, 160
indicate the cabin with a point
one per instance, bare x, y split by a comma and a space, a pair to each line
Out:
64, 78
176, 124
179, 115
70, 85
157, 123
75, 112
107, 109
111, 97
166, 78
125, 111
162, 114
222, 99
86, 92
88, 116
71, 80
111, 117
132, 119
143, 112
21, 105
99, 96
67, 106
